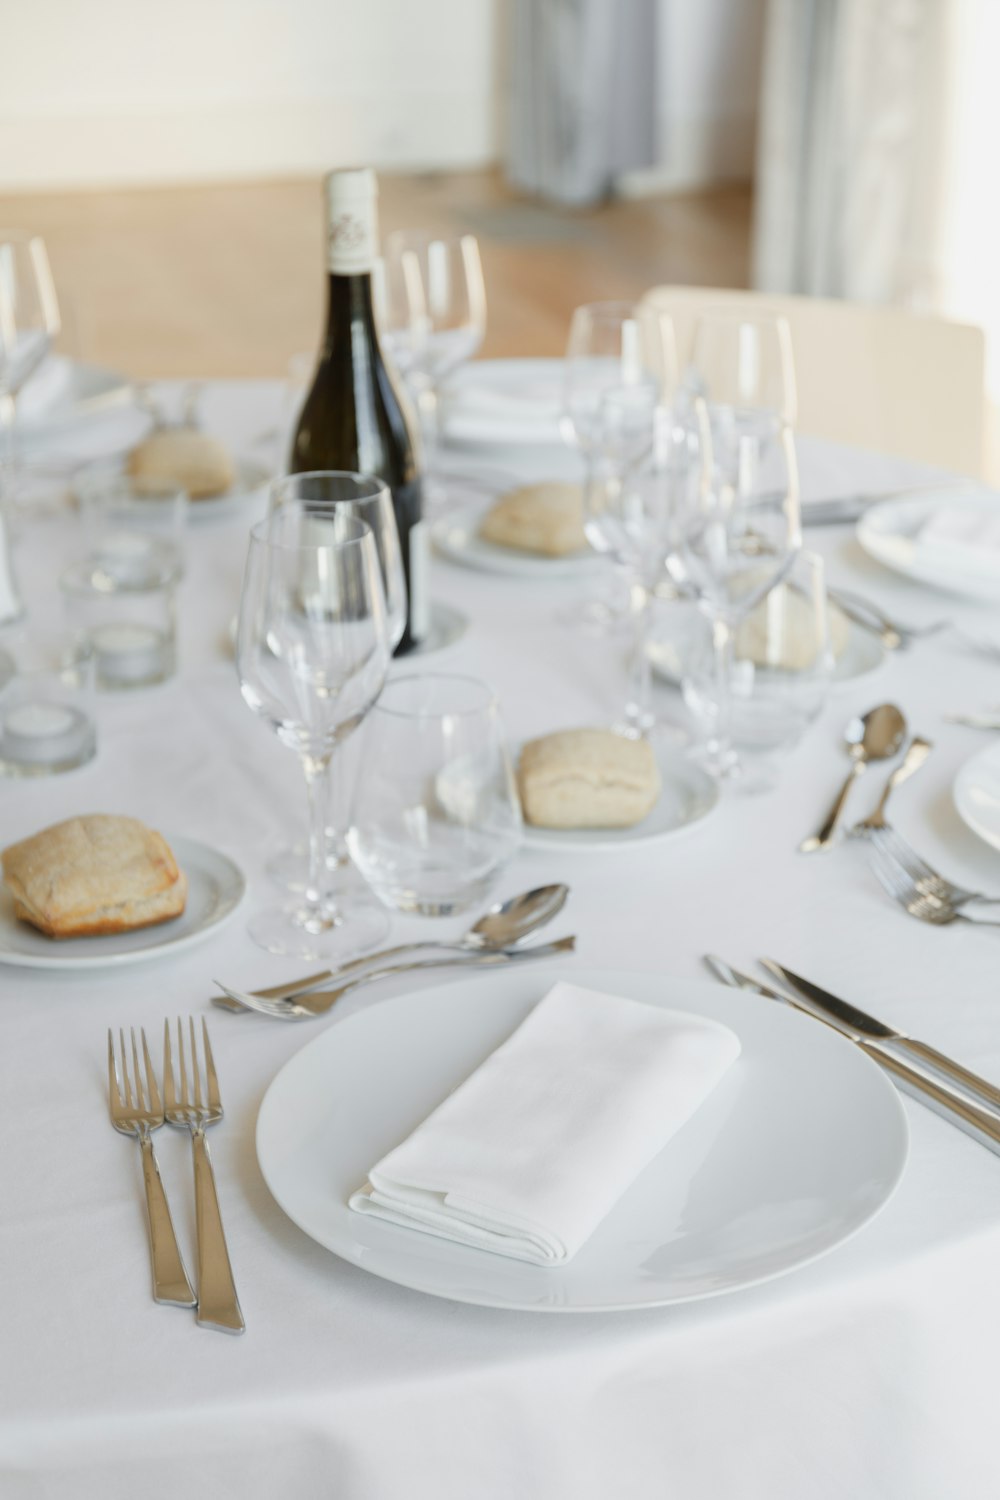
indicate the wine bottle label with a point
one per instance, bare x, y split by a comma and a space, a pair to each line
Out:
352, 221
420, 593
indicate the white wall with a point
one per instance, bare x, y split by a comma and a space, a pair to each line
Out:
709, 68
137, 91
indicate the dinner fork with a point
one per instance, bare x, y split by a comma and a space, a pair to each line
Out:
190, 1106
925, 878
918, 903
137, 1111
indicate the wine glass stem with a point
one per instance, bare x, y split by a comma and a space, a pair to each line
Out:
11, 607
318, 892
430, 423
639, 708
721, 744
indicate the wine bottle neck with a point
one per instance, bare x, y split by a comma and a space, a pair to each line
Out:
349, 301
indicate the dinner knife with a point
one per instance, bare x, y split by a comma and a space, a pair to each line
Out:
885, 1038
957, 1109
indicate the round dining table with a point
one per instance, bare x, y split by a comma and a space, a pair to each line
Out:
865, 1373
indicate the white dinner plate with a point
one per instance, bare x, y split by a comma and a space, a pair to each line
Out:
90, 406
687, 794
216, 887
498, 401
889, 532
863, 653
799, 1146
456, 536
976, 792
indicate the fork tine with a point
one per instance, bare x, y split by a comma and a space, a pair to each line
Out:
182, 1063
195, 1064
137, 1072
151, 1088
214, 1099
169, 1097
114, 1092
124, 1068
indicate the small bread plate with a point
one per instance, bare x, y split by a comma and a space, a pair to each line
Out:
976, 794
801, 1145
891, 532
249, 487
456, 536
687, 794
216, 887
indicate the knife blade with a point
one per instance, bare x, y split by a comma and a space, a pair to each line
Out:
979, 1124
885, 1037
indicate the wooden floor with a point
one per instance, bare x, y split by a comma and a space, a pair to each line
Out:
227, 280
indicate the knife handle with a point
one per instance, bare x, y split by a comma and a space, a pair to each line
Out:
951, 1069
977, 1123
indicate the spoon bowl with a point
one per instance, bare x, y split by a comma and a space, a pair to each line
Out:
876, 735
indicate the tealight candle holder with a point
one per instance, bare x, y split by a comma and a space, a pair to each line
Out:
47, 722
131, 526
125, 608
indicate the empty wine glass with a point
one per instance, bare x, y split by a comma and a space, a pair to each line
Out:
642, 460
737, 533
437, 815
612, 346
312, 651
29, 322
366, 499
434, 301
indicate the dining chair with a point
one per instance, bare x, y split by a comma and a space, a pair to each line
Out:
877, 377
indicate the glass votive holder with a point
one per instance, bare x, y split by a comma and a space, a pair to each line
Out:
129, 621
131, 526
47, 720
436, 814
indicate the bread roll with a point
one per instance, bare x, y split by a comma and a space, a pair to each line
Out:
782, 632
587, 778
95, 874
543, 518
185, 457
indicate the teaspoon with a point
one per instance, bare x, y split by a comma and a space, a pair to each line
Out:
876, 736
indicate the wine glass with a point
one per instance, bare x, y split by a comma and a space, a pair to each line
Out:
366, 499
642, 460
29, 322
737, 533
435, 311
312, 651
612, 346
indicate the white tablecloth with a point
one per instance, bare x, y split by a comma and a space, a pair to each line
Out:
869, 1374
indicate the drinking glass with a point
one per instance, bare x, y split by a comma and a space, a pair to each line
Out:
612, 346
780, 670
737, 532
437, 815
642, 459
29, 322
434, 311
312, 652
742, 365
369, 500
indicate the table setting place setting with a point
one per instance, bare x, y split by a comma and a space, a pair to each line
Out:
693, 1028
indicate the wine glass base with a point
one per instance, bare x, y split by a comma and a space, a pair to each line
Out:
361, 926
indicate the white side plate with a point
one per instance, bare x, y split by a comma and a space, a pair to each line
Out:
216, 887
456, 536
802, 1143
976, 792
890, 530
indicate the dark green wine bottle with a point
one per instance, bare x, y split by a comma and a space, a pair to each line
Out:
352, 417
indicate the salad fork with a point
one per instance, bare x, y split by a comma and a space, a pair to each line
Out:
870, 616
190, 1106
137, 1111
935, 909
926, 879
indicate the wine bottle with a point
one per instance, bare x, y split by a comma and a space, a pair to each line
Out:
353, 417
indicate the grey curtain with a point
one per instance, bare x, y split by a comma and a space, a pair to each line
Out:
581, 96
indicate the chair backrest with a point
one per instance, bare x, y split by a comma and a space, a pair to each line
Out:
877, 377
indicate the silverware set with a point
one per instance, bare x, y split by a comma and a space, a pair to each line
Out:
191, 1101
497, 939
962, 1097
918, 888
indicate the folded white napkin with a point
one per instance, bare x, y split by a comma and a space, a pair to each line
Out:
43, 390
529, 1153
